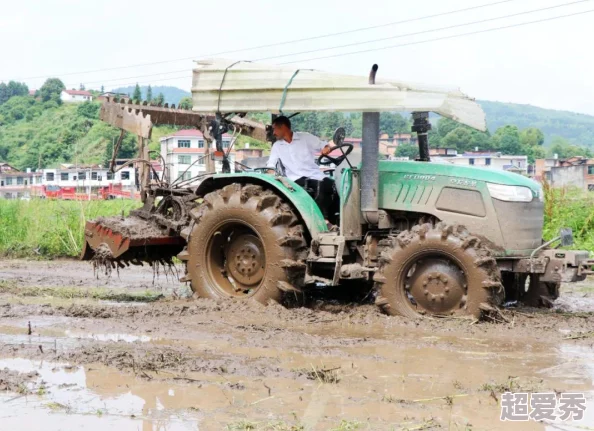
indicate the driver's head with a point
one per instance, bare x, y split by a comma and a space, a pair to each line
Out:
281, 127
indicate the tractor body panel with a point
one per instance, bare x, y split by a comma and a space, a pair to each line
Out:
458, 194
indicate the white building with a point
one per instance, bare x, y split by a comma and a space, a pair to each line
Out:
518, 164
15, 184
183, 153
88, 176
76, 96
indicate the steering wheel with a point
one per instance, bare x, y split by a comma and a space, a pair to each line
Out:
328, 160
339, 144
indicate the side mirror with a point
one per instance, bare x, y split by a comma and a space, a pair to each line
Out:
339, 135
566, 235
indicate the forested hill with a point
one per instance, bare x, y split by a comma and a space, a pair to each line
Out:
576, 128
171, 94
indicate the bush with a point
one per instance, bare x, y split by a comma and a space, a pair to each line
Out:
572, 208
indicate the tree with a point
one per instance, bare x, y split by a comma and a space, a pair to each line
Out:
102, 89
81, 87
531, 137
159, 100
149, 94
407, 150
185, 102
535, 152
434, 139
460, 138
11, 90
564, 150
445, 126
137, 96
307, 122
391, 123
507, 140
51, 90
88, 110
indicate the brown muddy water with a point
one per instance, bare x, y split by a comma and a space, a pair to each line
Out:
185, 364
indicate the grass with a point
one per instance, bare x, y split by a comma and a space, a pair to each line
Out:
569, 208
76, 292
49, 229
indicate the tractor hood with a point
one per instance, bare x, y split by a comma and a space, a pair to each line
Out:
463, 172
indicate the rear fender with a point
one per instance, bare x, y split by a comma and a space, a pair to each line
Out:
305, 207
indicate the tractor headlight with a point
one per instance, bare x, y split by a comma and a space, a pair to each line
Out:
510, 193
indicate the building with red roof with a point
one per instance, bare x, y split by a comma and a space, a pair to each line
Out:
69, 96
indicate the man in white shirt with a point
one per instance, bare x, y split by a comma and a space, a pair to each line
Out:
297, 151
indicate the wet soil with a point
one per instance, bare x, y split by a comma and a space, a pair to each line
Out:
131, 227
181, 363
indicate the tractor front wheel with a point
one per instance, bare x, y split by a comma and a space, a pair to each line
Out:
436, 270
245, 243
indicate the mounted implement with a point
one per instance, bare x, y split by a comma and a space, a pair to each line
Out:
425, 238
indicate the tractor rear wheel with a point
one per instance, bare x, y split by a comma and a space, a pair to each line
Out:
436, 269
244, 242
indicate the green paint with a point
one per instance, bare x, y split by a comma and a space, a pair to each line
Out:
301, 200
462, 172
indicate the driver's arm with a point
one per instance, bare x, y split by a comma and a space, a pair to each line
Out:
316, 144
272, 160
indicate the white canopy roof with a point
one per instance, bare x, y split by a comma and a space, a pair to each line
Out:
228, 86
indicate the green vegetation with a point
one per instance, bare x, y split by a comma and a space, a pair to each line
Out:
570, 208
36, 134
575, 128
41, 132
12, 89
48, 229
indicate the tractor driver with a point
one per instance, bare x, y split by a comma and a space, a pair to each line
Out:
297, 151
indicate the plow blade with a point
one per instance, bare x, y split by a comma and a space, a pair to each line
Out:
131, 240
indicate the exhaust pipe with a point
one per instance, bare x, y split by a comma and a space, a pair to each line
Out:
370, 161
421, 125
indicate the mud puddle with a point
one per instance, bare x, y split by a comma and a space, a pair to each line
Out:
92, 398
227, 365
316, 381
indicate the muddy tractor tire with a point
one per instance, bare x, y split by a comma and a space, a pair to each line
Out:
437, 270
244, 242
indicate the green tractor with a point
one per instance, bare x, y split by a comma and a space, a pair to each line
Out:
425, 238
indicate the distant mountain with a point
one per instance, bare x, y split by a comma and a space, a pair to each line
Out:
172, 94
576, 128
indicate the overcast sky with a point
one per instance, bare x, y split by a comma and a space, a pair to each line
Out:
548, 64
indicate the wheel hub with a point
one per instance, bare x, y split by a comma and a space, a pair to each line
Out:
246, 260
437, 286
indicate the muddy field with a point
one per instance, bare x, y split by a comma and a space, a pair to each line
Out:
79, 351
